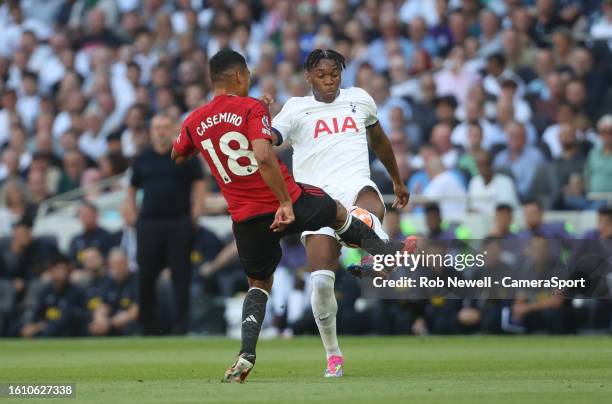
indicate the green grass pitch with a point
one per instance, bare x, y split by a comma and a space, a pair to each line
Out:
378, 370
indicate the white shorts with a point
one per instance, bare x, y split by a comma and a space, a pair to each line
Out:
347, 195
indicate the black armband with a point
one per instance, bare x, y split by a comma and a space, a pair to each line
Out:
372, 125
279, 137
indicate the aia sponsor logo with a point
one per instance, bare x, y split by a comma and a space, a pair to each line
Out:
335, 125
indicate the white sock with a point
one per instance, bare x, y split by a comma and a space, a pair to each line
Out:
324, 308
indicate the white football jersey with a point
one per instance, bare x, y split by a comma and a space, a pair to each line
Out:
330, 145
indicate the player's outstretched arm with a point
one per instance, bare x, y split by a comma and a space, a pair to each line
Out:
182, 147
272, 176
382, 147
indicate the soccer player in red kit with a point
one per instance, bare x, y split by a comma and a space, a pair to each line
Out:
233, 134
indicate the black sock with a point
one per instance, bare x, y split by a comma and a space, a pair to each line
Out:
357, 232
253, 313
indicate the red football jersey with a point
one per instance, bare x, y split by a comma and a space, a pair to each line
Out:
223, 130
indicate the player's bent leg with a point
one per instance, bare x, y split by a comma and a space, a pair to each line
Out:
316, 209
253, 313
369, 199
323, 252
354, 231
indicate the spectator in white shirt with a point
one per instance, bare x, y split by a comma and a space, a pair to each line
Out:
504, 115
522, 110
38, 55
145, 57
113, 115
72, 107
490, 38
497, 73
566, 115
93, 142
419, 8
19, 142
474, 112
11, 30
445, 188
402, 85
134, 121
489, 189
57, 62
29, 100
602, 29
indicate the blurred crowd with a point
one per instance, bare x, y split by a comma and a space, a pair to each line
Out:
505, 104
93, 290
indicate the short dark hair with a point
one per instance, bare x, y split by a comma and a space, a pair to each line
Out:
498, 58
509, 83
504, 207
142, 31
449, 100
56, 259
432, 207
29, 74
605, 211
40, 155
533, 202
7, 91
317, 55
114, 136
224, 60
24, 222
89, 205
565, 104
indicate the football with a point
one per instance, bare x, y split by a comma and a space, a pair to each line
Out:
365, 216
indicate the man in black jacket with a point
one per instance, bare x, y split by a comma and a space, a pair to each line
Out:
172, 201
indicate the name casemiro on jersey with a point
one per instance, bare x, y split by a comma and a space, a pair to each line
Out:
224, 117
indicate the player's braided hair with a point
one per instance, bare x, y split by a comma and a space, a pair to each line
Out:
319, 54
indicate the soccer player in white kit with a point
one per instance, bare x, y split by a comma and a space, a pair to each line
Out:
329, 132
